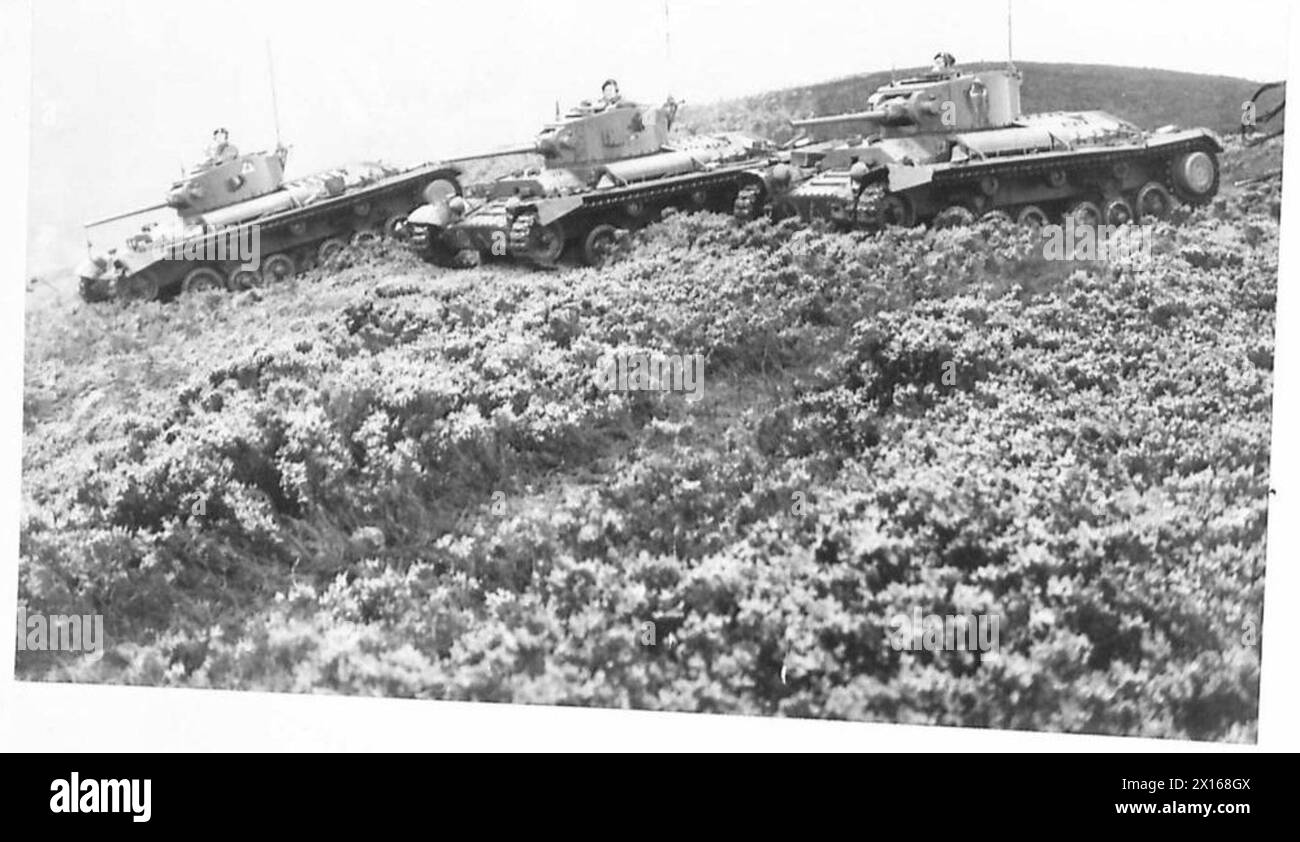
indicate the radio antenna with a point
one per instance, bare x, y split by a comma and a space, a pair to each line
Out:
668, 48
1011, 62
275, 106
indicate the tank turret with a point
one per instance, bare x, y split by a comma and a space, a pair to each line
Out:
944, 102
246, 177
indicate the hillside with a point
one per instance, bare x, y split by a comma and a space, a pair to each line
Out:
388, 478
1148, 97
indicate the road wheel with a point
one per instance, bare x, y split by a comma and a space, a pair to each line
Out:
242, 279
141, 287
599, 245
1117, 212
547, 243
998, 216
203, 279
395, 227
1032, 216
954, 216
1085, 213
329, 249
366, 238
896, 210
278, 267
467, 259
1153, 200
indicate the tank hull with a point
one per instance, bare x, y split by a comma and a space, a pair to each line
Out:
1047, 168
534, 218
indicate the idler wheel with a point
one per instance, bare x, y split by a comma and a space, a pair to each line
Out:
439, 190
1153, 200
1117, 212
1032, 216
896, 210
1085, 213
1196, 176
203, 279
330, 249
277, 268
954, 216
599, 245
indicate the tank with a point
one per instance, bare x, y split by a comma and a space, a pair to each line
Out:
606, 169
240, 225
950, 147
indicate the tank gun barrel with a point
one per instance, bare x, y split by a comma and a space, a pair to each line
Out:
136, 212
529, 148
858, 117
890, 114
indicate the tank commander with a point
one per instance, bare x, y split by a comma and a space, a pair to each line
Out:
609, 95
221, 150
944, 63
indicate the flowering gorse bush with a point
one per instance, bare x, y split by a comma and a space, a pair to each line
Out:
395, 480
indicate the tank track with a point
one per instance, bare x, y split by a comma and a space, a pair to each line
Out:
973, 173
608, 207
521, 233
749, 203
831, 195
667, 188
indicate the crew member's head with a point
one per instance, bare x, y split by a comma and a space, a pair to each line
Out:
609, 90
220, 136
944, 61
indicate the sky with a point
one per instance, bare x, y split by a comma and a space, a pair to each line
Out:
126, 92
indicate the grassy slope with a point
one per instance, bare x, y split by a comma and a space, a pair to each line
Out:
394, 479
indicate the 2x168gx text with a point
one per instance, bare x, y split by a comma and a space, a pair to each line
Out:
1220, 783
